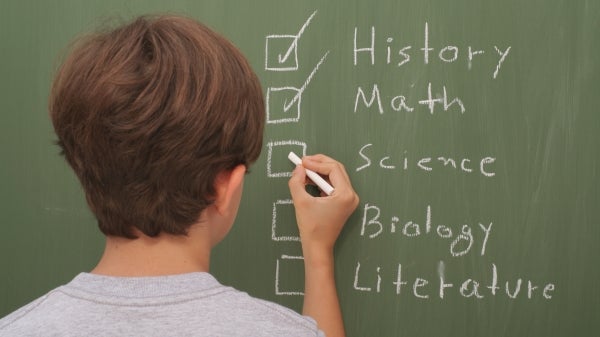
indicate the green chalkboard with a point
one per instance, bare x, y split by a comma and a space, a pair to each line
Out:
470, 130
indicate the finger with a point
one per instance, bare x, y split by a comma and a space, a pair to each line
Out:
336, 173
317, 164
325, 159
297, 183
320, 158
333, 170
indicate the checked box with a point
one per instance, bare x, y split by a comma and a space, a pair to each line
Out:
284, 103
287, 60
281, 51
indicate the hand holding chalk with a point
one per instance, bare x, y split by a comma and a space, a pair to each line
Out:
320, 220
315, 177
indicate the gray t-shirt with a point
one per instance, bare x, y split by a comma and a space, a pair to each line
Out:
192, 304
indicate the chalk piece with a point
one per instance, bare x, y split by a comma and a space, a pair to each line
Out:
314, 176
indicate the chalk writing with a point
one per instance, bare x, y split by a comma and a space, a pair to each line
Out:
399, 102
401, 55
426, 289
461, 241
404, 162
372, 46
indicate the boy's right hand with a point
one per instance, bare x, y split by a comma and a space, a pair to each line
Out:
321, 219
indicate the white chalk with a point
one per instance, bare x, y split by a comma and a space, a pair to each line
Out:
314, 176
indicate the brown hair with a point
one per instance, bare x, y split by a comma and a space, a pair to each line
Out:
148, 114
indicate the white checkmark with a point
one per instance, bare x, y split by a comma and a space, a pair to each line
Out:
284, 57
299, 91
295, 101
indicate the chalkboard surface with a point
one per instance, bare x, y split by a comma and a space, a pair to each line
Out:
470, 130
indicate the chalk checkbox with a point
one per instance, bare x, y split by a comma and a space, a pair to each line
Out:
283, 225
278, 164
283, 105
287, 269
281, 53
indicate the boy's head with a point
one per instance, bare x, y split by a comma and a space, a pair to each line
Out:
148, 114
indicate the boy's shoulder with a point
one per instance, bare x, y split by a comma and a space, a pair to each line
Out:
191, 304
15, 316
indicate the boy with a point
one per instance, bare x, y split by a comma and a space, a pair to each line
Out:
160, 119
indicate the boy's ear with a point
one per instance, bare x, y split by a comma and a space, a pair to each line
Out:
227, 185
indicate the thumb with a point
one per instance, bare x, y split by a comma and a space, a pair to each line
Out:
297, 182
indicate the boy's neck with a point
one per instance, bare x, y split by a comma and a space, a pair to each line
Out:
162, 255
